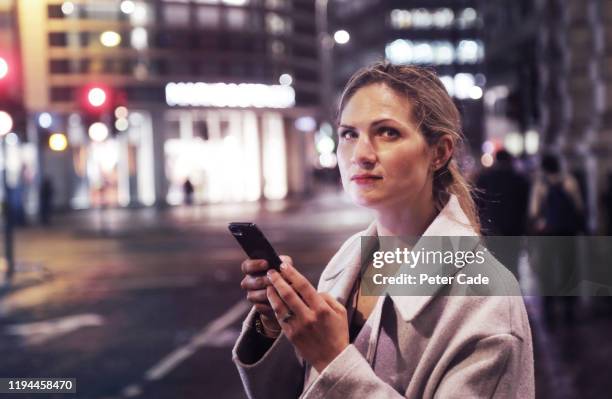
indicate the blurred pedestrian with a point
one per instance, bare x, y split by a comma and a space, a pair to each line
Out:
556, 205
45, 201
188, 192
556, 211
398, 133
502, 199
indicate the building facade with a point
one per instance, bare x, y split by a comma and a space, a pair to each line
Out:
200, 90
445, 35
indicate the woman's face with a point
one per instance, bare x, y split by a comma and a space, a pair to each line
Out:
384, 160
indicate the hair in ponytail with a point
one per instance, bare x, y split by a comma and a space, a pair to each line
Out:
436, 116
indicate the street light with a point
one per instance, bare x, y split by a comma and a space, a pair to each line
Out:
110, 38
342, 37
45, 120
96, 97
98, 132
58, 142
285, 79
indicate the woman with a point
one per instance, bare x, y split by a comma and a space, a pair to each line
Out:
398, 131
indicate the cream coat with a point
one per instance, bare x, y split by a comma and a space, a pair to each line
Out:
436, 346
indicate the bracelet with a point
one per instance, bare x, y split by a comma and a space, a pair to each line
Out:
259, 327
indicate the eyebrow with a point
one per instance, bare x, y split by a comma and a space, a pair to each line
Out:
376, 122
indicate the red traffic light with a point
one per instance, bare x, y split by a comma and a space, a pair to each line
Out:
97, 97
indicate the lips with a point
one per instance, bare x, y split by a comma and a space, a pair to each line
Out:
365, 178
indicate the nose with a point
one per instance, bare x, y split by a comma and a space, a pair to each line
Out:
364, 154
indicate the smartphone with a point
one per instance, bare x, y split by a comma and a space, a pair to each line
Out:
254, 243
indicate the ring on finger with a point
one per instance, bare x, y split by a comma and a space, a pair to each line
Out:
287, 316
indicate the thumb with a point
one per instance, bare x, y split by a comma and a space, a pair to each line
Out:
332, 302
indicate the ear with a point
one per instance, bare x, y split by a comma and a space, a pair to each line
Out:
442, 152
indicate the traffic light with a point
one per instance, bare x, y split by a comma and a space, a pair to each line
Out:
95, 100
95, 104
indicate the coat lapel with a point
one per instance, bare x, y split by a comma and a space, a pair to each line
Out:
340, 274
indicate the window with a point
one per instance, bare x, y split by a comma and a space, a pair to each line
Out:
435, 52
276, 48
208, 16
59, 66
61, 93
236, 18
276, 4
101, 10
55, 11
57, 39
139, 38
276, 24
438, 18
176, 14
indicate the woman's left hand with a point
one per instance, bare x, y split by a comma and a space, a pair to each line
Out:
318, 327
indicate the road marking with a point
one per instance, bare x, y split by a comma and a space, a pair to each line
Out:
43, 331
209, 332
209, 335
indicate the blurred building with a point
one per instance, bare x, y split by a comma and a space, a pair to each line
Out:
443, 34
550, 86
14, 156
205, 90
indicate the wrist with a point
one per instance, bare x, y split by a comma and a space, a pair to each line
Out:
265, 329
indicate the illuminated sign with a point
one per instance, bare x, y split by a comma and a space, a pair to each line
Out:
243, 95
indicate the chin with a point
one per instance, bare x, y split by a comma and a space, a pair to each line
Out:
367, 201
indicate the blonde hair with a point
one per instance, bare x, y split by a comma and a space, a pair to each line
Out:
436, 116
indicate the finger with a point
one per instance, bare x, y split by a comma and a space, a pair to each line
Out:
257, 296
254, 282
286, 259
264, 309
253, 266
301, 285
288, 294
332, 302
276, 303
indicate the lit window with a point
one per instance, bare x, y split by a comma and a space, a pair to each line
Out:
399, 51
208, 16
444, 53
449, 84
277, 47
236, 2
443, 18
176, 14
236, 18
423, 53
139, 38
275, 23
440, 18
463, 85
276, 4
469, 51
401, 19
421, 18
468, 18
142, 14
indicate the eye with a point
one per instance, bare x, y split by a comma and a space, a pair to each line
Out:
347, 134
389, 132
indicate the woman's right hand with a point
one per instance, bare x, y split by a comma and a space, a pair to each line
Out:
255, 283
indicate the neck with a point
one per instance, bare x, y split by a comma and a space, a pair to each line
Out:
406, 221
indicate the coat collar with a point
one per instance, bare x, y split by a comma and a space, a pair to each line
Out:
340, 274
